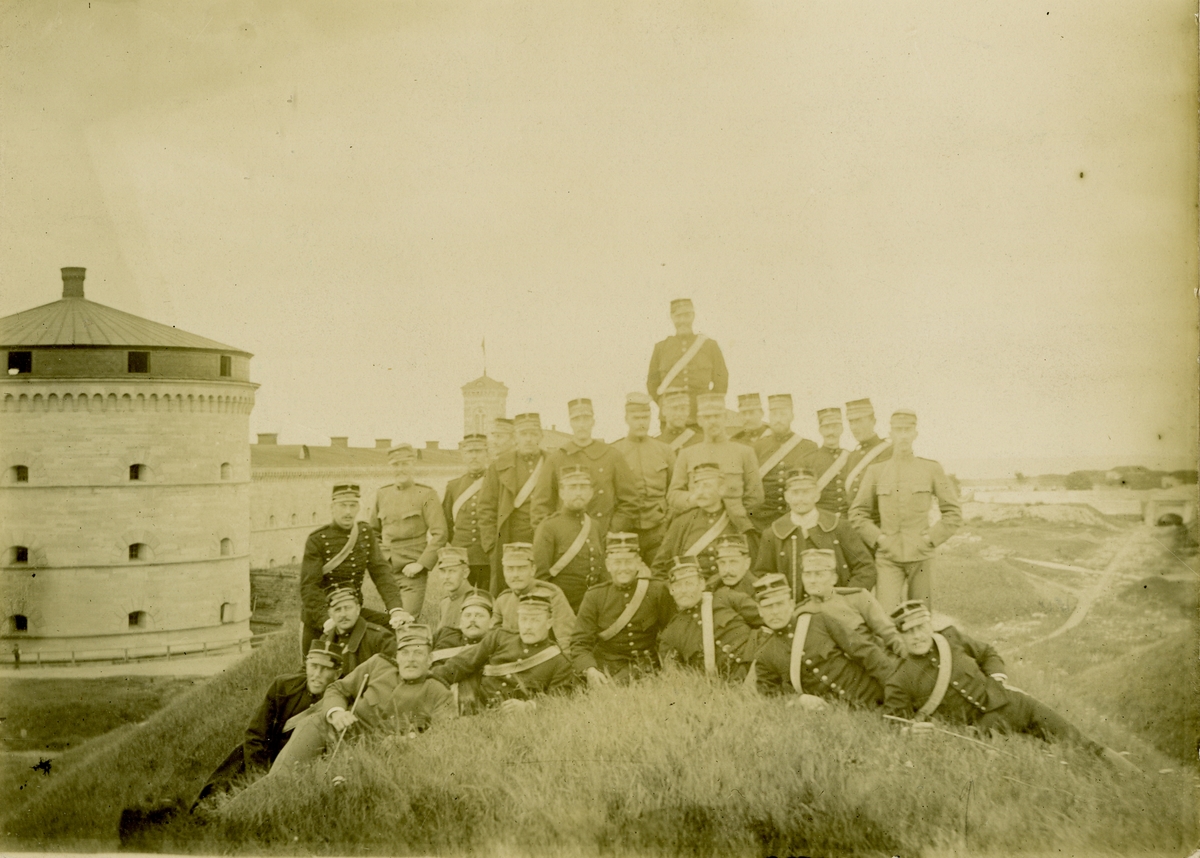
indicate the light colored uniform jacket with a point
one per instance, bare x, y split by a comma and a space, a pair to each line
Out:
901, 490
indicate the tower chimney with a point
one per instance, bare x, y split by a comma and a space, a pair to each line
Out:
73, 282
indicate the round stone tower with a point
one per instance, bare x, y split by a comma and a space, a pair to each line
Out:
484, 399
124, 485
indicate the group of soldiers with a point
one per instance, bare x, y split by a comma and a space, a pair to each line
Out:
762, 558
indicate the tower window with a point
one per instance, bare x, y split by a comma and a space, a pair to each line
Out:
139, 361
139, 551
227, 612
226, 547
137, 619
226, 471
20, 363
226, 366
20, 474
271, 521
19, 554
137, 472
18, 623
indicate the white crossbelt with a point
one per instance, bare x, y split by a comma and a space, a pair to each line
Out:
777, 457
700, 340
471, 491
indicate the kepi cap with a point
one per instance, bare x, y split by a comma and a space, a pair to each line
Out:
681, 304
710, 403
732, 545
621, 543
574, 475
856, 408
527, 419
829, 416
538, 597
479, 598
342, 594
704, 470
910, 613
325, 652
771, 585
473, 442
452, 555
400, 449
683, 567
346, 491
413, 634
779, 399
749, 400
799, 476
904, 417
815, 559
580, 408
518, 553
637, 402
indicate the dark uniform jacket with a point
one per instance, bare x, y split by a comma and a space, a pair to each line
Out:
671, 437
322, 546
500, 646
783, 543
363, 641
464, 530
773, 504
687, 527
410, 523
445, 642
650, 461
636, 643
499, 521
749, 436
287, 696
833, 496
852, 474
735, 635
839, 663
899, 494
614, 503
586, 569
704, 373
972, 691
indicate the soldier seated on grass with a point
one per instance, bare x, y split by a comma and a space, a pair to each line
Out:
962, 681
711, 631
287, 697
812, 654
514, 668
474, 620
384, 694
351, 633
616, 632
520, 576
853, 607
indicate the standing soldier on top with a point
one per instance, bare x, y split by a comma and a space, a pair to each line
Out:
410, 520
461, 508
503, 437
779, 452
688, 360
340, 555
898, 493
741, 485
860, 414
650, 461
614, 504
506, 498
678, 430
753, 428
828, 462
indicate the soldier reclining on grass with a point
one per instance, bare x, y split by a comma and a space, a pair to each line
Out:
813, 654
515, 667
474, 620
713, 632
854, 608
963, 681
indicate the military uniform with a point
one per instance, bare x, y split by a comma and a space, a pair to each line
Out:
503, 647
360, 643
650, 462
855, 470
366, 558
838, 663
736, 637
500, 520
450, 607
773, 503
412, 527
463, 530
687, 527
974, 698
388, 703
833, 495
750, 403
553, 538
741, 485
705, 372
856, 608
677, 439
447, 643
615, 503
562, 616
900, 492
632, 648
784, 541
750, 436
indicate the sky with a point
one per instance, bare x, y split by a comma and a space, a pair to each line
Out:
983, 212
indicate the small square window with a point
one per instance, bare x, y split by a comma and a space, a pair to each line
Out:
20, 474
135, 551
135, 472
139, 361
226, 366
20, 623
20, 363
137, 619
20, 554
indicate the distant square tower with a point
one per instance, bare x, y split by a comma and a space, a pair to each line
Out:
484, 399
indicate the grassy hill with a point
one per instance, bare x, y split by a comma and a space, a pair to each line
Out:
675, 764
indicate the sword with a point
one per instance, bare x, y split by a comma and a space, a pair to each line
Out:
357, 698
952, 733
